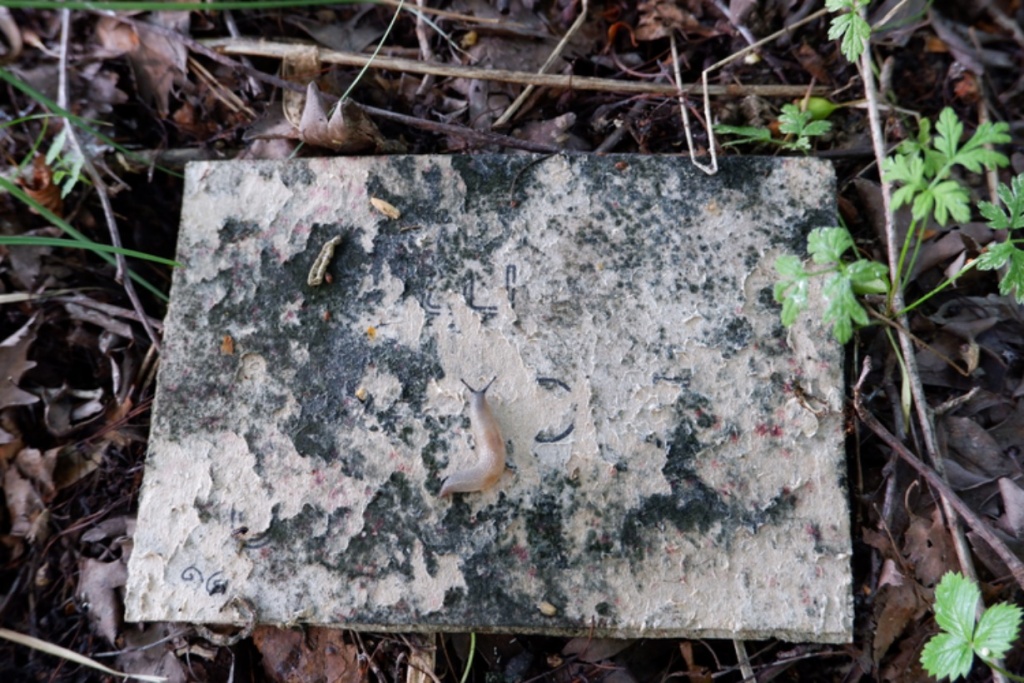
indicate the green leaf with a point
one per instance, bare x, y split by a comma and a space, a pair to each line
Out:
956, 599
827, 245
1013, 280
853, 30
997, 629
951, 199
949, 131
995, 255
947, 655
747, 134
868, 277
974, 157
1013, 198
842, 309
791, 291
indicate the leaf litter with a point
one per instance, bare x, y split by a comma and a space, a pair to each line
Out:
78, 376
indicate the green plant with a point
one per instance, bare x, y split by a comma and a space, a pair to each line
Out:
845, 280
67, 166
950, 653
798, 126
849, 28
922, 169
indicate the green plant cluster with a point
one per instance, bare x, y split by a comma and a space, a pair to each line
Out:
923, 170
950, 653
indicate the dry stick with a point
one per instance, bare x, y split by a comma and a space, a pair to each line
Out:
261, 48
938, 483
924, 416
685, 114
479, 137
101, 187
528, 90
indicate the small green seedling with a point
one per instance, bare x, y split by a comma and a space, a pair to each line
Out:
950, 653
843, 283
798, 126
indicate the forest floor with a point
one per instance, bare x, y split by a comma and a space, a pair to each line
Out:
103, 107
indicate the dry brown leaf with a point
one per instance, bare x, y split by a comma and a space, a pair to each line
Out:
320, 655
159, 60
659, 18
896, 606
301, 65
40, 187
144, 656
24, 504
1012, 519
98, 589
38, 467
115, 36
348, 131
14, 363
974, 448
927, 545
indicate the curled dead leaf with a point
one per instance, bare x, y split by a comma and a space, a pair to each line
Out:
348, 130
40, 187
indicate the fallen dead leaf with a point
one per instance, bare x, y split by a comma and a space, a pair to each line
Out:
98, 589
14, 363
24, 504
927, 546
320, 655
896, 606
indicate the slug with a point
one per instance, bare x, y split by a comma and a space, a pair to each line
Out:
490, 448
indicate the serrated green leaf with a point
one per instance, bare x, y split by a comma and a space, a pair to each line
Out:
946, 655
815, 128
956, 599
949, 130
841, 307
906, 169
995, 256
747, 134
923, 204
791, 291
853, 30
996, 631
57, 146
827, 245
838, 5
951, 200
1011, 218
1013, 280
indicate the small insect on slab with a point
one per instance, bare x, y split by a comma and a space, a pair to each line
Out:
323, 260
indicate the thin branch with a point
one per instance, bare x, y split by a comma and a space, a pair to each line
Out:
924, 415
100, 185
262, 48
977, 524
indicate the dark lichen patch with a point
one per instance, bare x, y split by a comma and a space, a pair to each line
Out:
545, 534
733, 336
234, 230
297, 176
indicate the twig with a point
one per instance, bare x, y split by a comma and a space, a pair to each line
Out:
977, 524
743, 660
99, 184
262, 48
555, 54
924, 416
684, 112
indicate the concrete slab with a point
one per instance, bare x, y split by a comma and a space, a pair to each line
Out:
675, 459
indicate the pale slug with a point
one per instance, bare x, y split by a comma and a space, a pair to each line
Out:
490, 448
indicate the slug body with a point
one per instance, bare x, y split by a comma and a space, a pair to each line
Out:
490, 448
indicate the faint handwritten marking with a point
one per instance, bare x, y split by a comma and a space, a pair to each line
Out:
510, 283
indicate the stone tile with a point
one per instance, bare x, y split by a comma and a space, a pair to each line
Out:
675, 458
